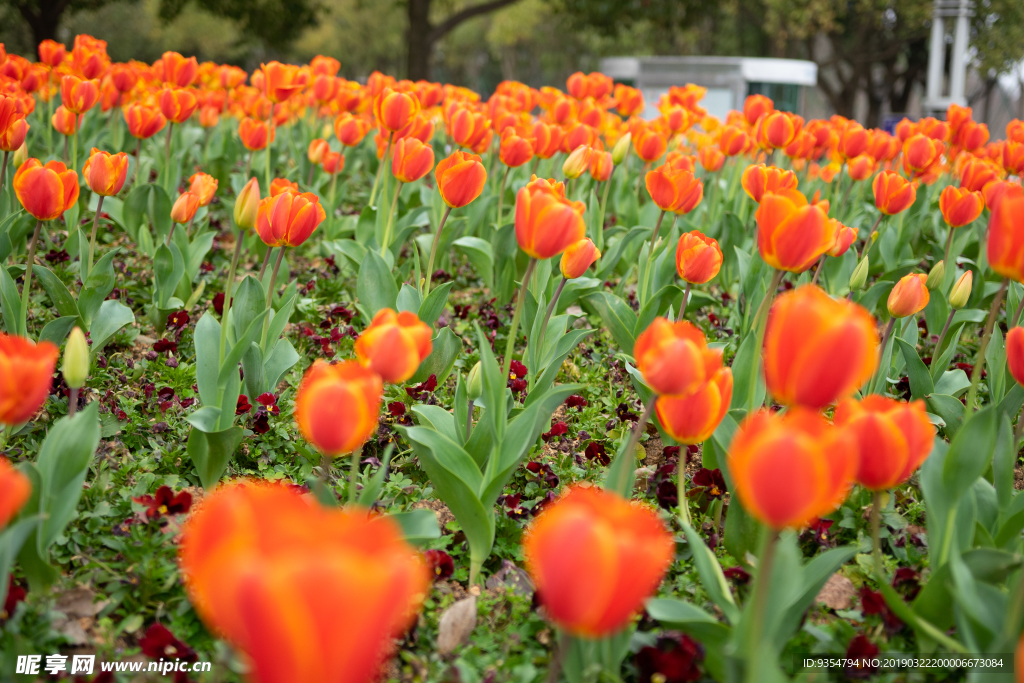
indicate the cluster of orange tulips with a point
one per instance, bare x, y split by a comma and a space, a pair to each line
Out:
805, 412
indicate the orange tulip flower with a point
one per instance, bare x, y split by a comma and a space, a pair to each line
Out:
77, 95
788, 469
891, 438
998, 190
546, 222
15, 489
208, 116
792, 234
1013, 157
64, 121
460, 178
601, 166
755, 106
861, 167
350, 129
52, 53
26, 375
757, 179
817, 349
289, 218
909, 296
279, 185
105, 173
1005, 237
972, 136
1015, 130
674, 190
308, 593
124, 77
394, 345
733, 141
975, 174
411, 160
177, 70
89, 56
47, 191
395, 110
204, 186
777, 129
845, 236
853, 142
177, 104
144, 122
711, 158
698, 257
185, 207
333, 162
280, 81
515, 150
694, 418
13, 127
547, 139
1015, 353
316, 150
893, 192
577, 257
649, 144
255, 134
674, 358
959, 206
595, 558
920, 152
627, 100
336, 406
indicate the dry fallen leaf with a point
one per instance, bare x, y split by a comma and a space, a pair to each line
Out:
837, 593
456, 625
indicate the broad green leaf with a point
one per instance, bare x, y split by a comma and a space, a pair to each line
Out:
211, 451
432, 307
168, 268
446, 349
920, 381
97, 287
55, 289
970, 452
617, 315
408, 298
688, 618
950, 409
375, 285
58, 329
439, 419
480, 255
10, 302
111, 317
711, 576
418, 526
952, 383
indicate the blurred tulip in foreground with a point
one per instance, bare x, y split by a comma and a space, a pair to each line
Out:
891, 438
336, 406
26, 375
674, 358
394, 345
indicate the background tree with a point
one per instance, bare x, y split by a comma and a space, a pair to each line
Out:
423, 33
997, 46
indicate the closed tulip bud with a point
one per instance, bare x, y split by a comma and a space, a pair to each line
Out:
789, 468
891, 438
247, 205
350, 129
105, 173
185, 208
595, 558
698, 257
15, 489
621, 149
601, 166
475, 383
649, 144
859, 277
394, 345
47, 191
577, 257
1015, 353
576, 164
204, 186
920, 152
460, 178
26, 375
76, 359
960, 206
860, 167
546, 222
792, 234
337, 406
289, 218
268, 568
20, 155
674, 358
936, 275
909, 296
808, 332
411, 160
694, 418
961, 291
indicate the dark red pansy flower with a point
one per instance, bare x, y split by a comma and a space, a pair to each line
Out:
667, 493
872, 602
396, 409
162, 345
543, 472
166, 393
596, 451
671, 452
517, 370
907, 581
819, 529
177, 320
512, 506
576, 401
709, 482
15, 594
165, 502
159, 643
557, 429
623, 412
673, 659
737, 574
269, 402
440, 563
218, 303
243, 406
55, 256
861, 650
422, 389
261, 423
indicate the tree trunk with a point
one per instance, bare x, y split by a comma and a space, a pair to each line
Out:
45, 20
990, 86
419, 41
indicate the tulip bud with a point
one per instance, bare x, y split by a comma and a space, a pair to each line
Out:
247, 204
961, 291
76, 359
621, 149
860, 275
935, 275
21, 155
475, 384
577, 163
